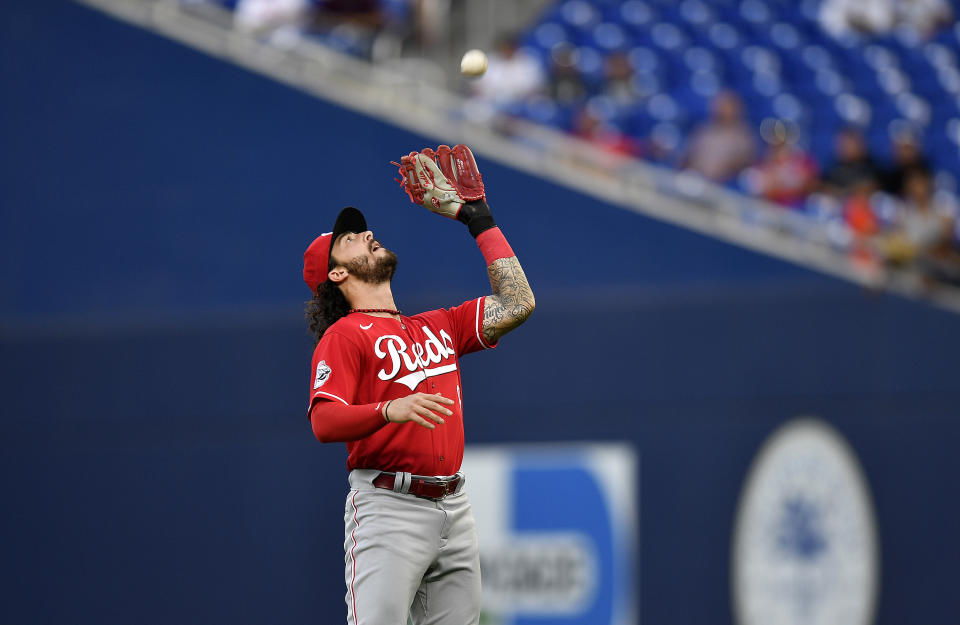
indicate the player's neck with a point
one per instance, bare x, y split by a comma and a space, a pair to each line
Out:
372, 296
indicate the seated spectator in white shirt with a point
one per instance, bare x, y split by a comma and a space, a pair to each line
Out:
871, 17
512, 75
266, 15
924, 226
924, 17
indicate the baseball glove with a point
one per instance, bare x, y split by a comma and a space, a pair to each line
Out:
442, 180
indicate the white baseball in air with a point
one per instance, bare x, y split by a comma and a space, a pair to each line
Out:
473, 63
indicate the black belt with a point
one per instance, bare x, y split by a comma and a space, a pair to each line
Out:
432, 488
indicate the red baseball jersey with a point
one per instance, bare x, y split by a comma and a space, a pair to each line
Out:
362, 359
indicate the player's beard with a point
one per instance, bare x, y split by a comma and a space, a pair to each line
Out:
378, 272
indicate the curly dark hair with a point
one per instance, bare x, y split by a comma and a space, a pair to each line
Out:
326, 307
330, 304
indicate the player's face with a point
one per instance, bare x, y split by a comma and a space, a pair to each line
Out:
364, 258
352, 245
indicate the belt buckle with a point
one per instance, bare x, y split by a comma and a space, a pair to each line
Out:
450, 486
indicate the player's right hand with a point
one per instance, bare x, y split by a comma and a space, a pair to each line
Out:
421, 408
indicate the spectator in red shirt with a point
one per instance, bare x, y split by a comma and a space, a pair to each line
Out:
604, 135
786, 174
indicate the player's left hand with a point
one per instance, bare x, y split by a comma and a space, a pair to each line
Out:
426, 185
442, 180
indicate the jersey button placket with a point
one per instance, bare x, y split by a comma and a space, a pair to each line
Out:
433, 385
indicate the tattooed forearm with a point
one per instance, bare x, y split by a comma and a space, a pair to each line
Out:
512, 300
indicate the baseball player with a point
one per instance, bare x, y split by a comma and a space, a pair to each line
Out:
388, 385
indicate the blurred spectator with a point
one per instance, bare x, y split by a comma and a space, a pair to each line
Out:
261, 16
842, 17
857, 210
357, 10
371, 29
618, 78
786, 174
853, 166
923, 234
722, 147
907, 157
860, 218
512, 75
566, 84
349, 25
924, 17
604, 135
870, 17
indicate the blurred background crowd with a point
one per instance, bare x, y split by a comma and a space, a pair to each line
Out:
841, 111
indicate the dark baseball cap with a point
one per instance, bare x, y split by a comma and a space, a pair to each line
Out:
316, 260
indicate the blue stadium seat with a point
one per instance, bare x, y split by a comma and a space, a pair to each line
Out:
548, 35
637, 14
772, 52
609, 37
579, 14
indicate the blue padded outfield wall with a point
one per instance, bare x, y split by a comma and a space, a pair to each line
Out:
156, 464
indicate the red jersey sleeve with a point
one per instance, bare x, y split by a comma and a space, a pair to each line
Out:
336, 367
466, 320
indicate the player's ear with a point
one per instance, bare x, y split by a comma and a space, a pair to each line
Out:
338, 274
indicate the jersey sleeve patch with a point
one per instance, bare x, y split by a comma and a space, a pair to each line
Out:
322, 375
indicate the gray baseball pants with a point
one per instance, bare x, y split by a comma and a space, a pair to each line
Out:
409, 557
